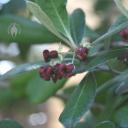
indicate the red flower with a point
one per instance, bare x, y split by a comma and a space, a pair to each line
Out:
46, 55
56, 72
81, 53
53, 54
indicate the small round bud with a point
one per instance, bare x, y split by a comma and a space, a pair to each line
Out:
81, 53
46, 55
53, 54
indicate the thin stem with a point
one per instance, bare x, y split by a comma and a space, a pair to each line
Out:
120, 6
73, 58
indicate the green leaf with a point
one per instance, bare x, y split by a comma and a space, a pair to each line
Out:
30, 32
121, 8
77, 23
80, 102
39, 90
44, 18
99, 59
121, 117
119, 21
88, 121
121, 77
110, 33
6, 98
21, 69
7, 123
56, 11
14, 7
19, 83
106, 124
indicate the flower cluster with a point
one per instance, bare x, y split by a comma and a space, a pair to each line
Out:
49, 55
81, 53
124, 34
56, 72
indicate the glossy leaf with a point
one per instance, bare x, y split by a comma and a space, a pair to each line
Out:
7, 123
39, 90
80, 102
77, 23
21, 69
28, 31
106, 124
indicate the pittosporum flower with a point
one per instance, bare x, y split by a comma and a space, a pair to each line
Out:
81, 53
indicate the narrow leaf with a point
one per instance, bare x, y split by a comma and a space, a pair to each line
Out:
77, 23
21, 69
80, 102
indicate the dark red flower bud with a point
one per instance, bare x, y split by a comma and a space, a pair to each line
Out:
124, 34
42, 71
49, 70
62, 67
46, 55
53, 54
81, 53
57, 72
69, 75
46, 72
70, 67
